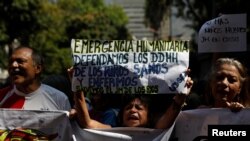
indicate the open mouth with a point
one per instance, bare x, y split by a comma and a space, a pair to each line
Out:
16, 71
223, 94
134, 116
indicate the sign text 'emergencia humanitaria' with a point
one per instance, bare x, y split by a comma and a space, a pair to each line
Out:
129, 66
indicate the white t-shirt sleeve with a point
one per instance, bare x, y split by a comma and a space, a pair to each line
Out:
61, 100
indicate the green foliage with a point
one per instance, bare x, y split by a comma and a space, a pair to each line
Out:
49, 26
100, 23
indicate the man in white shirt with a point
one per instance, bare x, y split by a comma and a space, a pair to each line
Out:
26, 90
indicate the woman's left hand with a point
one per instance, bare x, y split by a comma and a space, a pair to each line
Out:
235, 106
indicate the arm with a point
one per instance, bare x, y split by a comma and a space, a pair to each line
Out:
168, 118
83, 118
81, 110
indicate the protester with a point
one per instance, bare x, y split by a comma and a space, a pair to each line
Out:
26, 90
134, 114
228, 86
135, 111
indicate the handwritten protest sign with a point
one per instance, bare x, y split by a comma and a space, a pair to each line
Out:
226, 33
129, 67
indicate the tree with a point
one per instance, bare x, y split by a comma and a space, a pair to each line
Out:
97, 21
50, 25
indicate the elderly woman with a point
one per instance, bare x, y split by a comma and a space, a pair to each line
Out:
228, 85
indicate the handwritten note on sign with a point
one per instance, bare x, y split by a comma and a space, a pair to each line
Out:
129, 67
226, 33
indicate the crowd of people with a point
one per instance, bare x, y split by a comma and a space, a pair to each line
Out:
227, 88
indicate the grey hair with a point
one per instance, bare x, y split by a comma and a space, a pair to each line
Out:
231, 61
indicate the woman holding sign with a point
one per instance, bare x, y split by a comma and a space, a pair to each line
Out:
135, 113
228, 85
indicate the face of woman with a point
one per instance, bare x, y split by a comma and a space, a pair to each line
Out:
135, 114
226, 85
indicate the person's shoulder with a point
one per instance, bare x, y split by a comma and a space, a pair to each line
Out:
51, 90
203, 107
6, 89
58, 96
112, 111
